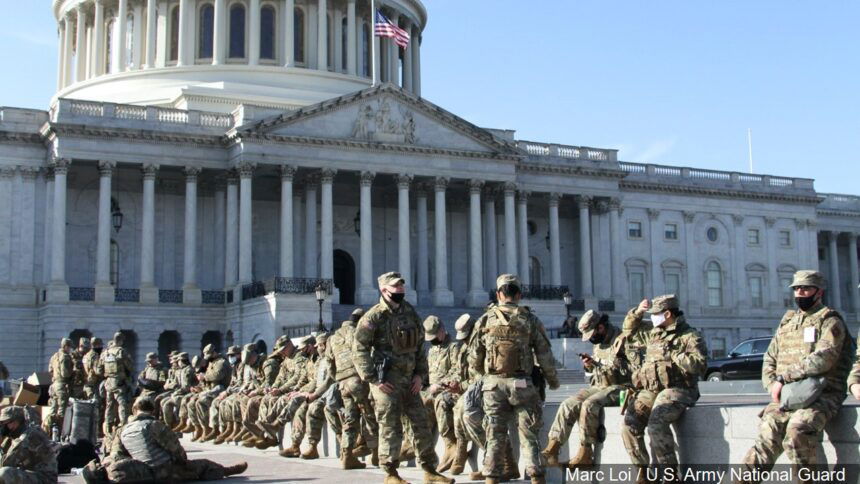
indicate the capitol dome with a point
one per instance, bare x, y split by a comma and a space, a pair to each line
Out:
213, 55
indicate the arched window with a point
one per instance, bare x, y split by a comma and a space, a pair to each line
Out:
715, 284
129, 40
344, 43
365, 49
237, 31
174, 34
267, 33
109, 45
114, 263
534, 271
206, 31
299, 36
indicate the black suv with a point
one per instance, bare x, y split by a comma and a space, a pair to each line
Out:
743, 363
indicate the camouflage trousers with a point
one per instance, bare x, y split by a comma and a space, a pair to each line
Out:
505, 399
203, 404
117, 404
356, 406
135, 471
657, 412
219, 411
170, 408
307, 418
585, 408
389, 409
58, 402
14, 475
469, 427
443, 408
315, 420
795, 431
250, 416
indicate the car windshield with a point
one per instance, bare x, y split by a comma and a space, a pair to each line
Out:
744, 348
760, 346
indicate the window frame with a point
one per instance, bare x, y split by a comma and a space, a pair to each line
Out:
666, 237
276, 41
720, 287
641, 235
757, 232
299, 13
756, 277
198, 41
789, 242
173, 28
245, 33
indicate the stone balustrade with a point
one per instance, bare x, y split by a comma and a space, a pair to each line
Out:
674, 174
72, 110
534, 148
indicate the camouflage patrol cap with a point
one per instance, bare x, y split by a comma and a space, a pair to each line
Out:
182, 356
84, 343
11, 413
97, 343
464, 325
663, 303
249, 348
508, 280
65, 342
808, 278
209, 350
390, 279
431, 327
321, 337
151, 356
304, 341
357, 312
588, 324
281, 343
174, 353
118, 337
234, 351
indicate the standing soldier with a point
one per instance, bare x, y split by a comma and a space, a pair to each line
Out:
79, 377
152, 378
504, 345
28, 455
388, 355
609, 371
812, 345
62, 369
444, 384
666, 383
118, 379
94, 370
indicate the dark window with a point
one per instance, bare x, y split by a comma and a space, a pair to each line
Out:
760, 346
713, 234
744, 348
237, 32
365, 49
344, 43
634, 230
267, 33
174, 34
207, 25
299, 35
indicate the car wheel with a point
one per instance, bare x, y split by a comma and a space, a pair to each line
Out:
715, 376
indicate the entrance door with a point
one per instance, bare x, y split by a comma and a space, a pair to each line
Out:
344, 276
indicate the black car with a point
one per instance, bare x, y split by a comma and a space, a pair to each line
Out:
743, 363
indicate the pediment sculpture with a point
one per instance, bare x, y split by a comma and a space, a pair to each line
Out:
381, 125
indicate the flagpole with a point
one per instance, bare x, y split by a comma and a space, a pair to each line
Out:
373, 41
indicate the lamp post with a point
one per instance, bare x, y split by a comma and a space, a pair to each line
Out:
568, 300
320, 293
116, 215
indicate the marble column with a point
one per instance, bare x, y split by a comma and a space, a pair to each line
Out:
523, 236
219, 37
812, 225
246, 222
27, 230
367, 291
477, 297
47, 241
298, 234
58, 290
404, 254
287, 174
68, 45
423, 262
322, 35
491, 264
615, 248
231, 239
121, 31
137, 53
289, 40
351, 44
104, 288
407, 63
855, 278
61, 51
191, 293
416, 60
311, 226
7, 179
554, 243
99, 39
327, 225
81, 45
151, 20
834, 284
254, 37
148, 289
585, 246
186, 39
442, 296
510, 230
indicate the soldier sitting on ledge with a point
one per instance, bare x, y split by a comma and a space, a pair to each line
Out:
26, 454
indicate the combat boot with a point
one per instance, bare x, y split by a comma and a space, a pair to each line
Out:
228, 431
460, 458
236, 469
583, 458
292, 451
448, 456
198, 434
392, 477
490, 480
431, 475
209, 435
374, 457
361, 450
349, 461
479, 476
551, 452
250, 442
311, 453
539, 480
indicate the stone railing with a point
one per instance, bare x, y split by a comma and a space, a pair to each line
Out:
285, 285
74, 108
535, 148
728, 178
170, 296
840, 202
82, 294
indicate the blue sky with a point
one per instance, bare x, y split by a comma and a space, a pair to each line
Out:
667, 82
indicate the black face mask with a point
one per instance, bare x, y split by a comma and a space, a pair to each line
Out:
397, 297
596, 338
98, 350
805, 303
4, 431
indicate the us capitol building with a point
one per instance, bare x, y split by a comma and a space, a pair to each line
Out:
205, 165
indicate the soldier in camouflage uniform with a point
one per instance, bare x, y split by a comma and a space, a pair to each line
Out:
80, 375
118, 369
27, 455
169, 383
292, 406
810, 342
609, 372
314, 395
257, 437
62, 369
504, 345
93, 370
463, 326
290, 374
187, 418
215, 381
153, 377
184, 379
252, 378
216, 412
667, 381
444, 384
388, 338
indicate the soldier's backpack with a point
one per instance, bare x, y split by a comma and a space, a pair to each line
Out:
81, 422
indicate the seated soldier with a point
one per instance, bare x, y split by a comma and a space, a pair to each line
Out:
27, 455
146, 450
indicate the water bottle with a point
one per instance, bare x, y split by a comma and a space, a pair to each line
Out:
55, 433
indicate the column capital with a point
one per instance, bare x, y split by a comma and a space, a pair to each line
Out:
833, 234
770, 221
232, 177
653, 213
509, 188
366, 178
191, 173
490, 192
246, 169
689, 216
615, 203
311, 181
852, 237
738, 219
7, 171
288, 172
800, 223
554, 198
60, 165
149, 171
440, 184
327, 175
49, 173
583, 201
812, 223
523, 196
29, 172
601, 206
475, 186
404, 180
106, 168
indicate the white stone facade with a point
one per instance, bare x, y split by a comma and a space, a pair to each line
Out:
184, 225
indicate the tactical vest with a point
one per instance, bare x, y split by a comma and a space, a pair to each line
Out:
404, 334
112, 363
607, 374
658, 371
57, 369
341, 347
440, 359
507, 343
137, 438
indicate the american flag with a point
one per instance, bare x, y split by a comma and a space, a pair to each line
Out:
384, 28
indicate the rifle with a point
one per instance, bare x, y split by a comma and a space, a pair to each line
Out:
382, 368
539, 382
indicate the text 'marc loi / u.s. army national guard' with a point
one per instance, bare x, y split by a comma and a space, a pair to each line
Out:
666, 383
62, 369
388, 354
27, 455
609, 369
504, 345
118, 372
805, 371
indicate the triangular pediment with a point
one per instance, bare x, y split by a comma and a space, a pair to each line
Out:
384, 114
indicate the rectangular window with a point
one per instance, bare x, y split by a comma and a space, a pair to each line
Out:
634, 230
637, 286
785, 238
715, 289
671, 232
755, 292
787, 294
718, 347
753, 237
673, 284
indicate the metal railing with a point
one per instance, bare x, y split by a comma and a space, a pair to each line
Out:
170, 296
82, 294
213, 297
607, 305
285, 285
126, 295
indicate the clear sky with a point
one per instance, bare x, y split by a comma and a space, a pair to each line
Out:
667, 82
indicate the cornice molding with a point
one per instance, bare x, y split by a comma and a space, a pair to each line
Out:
626, 185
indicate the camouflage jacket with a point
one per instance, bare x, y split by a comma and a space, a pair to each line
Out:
186, 378
507, 340
296, 373
810, 343
93, 368
62, 368
163, 436
217, 376
285, 372
79, 376
466, 375
151, 376
321, 377
396, 334
611, 366
270, 370
170, 383
340, 350
634, 332
117, 364
442, 361
31, 451
253, 376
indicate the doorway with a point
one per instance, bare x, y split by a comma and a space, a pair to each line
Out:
344, 276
